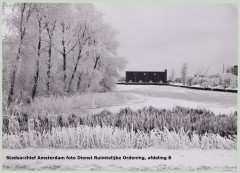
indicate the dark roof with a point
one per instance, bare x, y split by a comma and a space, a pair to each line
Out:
147, 71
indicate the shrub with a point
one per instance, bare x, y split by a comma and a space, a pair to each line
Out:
226, 80
189, 81
229, 80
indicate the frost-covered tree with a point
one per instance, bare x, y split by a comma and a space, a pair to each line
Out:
57, 49
229, 80
184, 73
18, 23
172, 78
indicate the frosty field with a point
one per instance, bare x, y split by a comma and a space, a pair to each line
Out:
213, 151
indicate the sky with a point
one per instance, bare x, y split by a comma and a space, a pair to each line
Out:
157, 36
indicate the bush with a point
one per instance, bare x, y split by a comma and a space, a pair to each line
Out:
229, 80
189, 81
226, 80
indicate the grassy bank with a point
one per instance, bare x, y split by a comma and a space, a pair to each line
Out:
67, 104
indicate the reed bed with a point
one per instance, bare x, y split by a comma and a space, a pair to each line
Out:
85, 137
176, 128
65, 104
200, 121
148, 118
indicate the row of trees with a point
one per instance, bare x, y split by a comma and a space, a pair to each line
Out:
227, 80
57, 49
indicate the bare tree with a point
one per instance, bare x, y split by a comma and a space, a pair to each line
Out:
87, 48
50, 27
25, 13
38, 49
172, 75
96, 60
184, 73
68, 43
83, 37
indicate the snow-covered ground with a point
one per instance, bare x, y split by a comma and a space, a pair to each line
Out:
180, 159
157, 96
168, 97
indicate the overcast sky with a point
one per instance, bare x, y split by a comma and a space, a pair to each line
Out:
157, 36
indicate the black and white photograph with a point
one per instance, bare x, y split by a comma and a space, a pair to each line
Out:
123, 86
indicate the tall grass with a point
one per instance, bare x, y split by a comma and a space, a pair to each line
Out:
176, 128
83, 137
145, 119
66, 104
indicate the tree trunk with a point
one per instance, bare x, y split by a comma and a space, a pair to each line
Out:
74, 71
36, 76
79, 81
49, 68
11, 92
78, 58
22, 30
94, 67
15, 67
50, 36
64, 54
64, 66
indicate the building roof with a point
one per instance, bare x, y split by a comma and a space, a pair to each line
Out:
148, 71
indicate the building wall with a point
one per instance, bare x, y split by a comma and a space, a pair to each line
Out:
233, 70
146, 77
